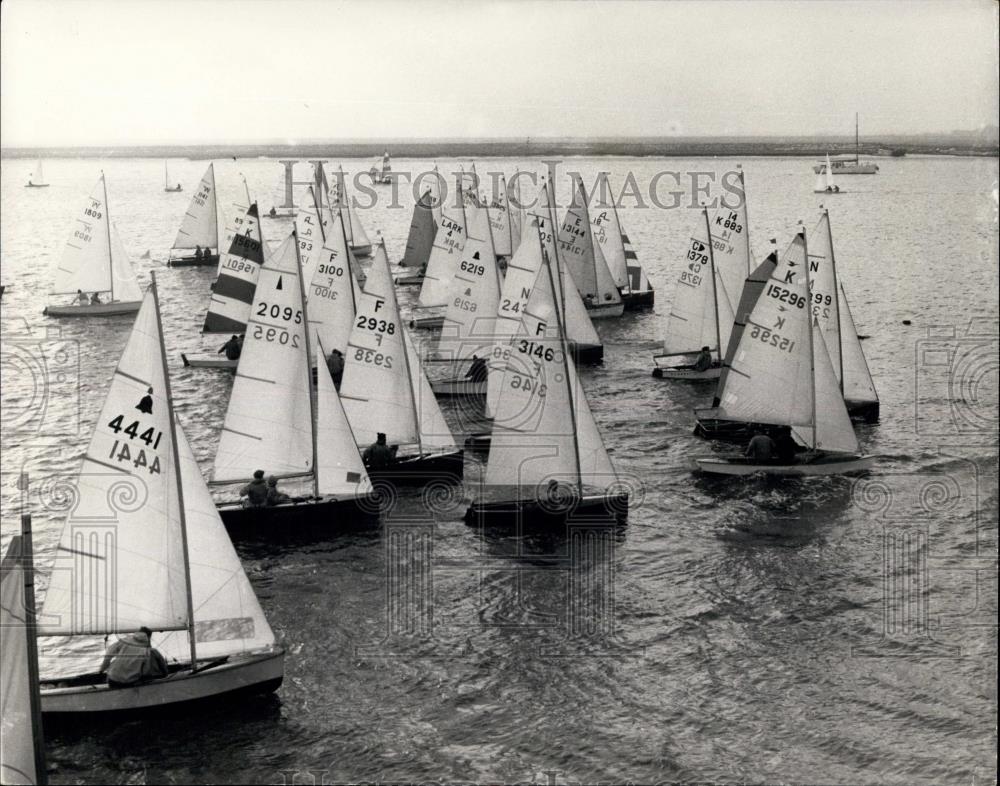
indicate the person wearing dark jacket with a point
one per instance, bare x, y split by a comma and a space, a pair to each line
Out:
704, 361
132, 659
255, 491
379, 455
232, 348
274, 496
761, 449
478, 371
336, 365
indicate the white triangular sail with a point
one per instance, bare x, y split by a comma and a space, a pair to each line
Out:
833, 430
312, 227
20, 750
357, 237
731, 243
607, 233
200, 225
239, 267
830, 185
332, 292
474, 293
94, 259
578, 253
340, 469
434, 431
499, 212
37, 178
858, 384
824, 294
269, 420
228, 619
449, 240
120, 564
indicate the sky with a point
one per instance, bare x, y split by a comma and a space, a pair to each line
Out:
99, 72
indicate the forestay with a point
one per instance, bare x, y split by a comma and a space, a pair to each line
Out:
131, 575
200, 225
269, 420
239, 268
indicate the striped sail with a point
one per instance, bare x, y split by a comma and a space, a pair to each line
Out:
268, 423
239, 268
200, 225
119, 564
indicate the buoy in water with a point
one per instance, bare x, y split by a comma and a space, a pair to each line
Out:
907, 322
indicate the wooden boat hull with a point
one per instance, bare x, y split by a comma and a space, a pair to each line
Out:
458, 387
113, 309
606, 310
204, 360
831, 464
635, 301
534, 514
418, 470
362, 251
239, 675
192, 261
327, 516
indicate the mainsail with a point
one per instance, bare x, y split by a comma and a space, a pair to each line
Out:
607, 233
422, 230
731, 242
582, 256
332, 292
500, 226
269, 419
94, 259
445, 253
311, 226
239, 267
200, 225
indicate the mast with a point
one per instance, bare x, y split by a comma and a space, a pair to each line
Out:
177, 472
166, 175
564, 350
307, 331
746, 229
550, 197
715, 290
347, 263
510, 226
107, 219
409, 373
857, 141
26, 558
836, 297
812, 347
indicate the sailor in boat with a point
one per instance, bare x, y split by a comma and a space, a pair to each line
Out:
197, 253
95, 299
81, 298
379, 455
274, 495
557, 493
255, 491
132, 659
478, 371
335, 363
704, 360
233, 347
762, 449
272, 212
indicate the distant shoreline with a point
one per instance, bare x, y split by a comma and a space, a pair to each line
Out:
704, 147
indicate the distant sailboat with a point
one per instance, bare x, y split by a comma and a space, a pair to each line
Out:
420, 240
631, 280
95, 261
824, 180
37, 178
848, 164
785, 383
22, 754
200, 226
585, 260
274, 421
547, 459
166, 180
382, 176
444, 259
357, 237
168, 565
385, 389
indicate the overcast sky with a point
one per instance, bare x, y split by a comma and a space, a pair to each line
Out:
152, 71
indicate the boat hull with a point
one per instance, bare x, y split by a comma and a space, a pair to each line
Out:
587, 354
427, 323
865, 411
458, 387
606, 310
635, 301
848, 169
534, 514
204, 360
418, 470
241, 675
100, 310
192, 261
409, 281
325, 517
362, 251
737, 430
686, 373
36, 185
831, 464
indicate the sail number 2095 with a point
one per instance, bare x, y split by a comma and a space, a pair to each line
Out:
274, 311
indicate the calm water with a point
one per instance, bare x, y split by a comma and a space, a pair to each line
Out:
743, 630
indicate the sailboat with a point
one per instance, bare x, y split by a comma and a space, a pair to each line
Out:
701, 315
22, 754
95, 261
585, 260
386, 390
166, 180
474, 297
382, 176
824, 180
357, 237
199, 227
37, 178
501, 225
419, 241
848, 164
443, 262
547, 459
144, 547
782, 381
274, 422
606, 228
233, 290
